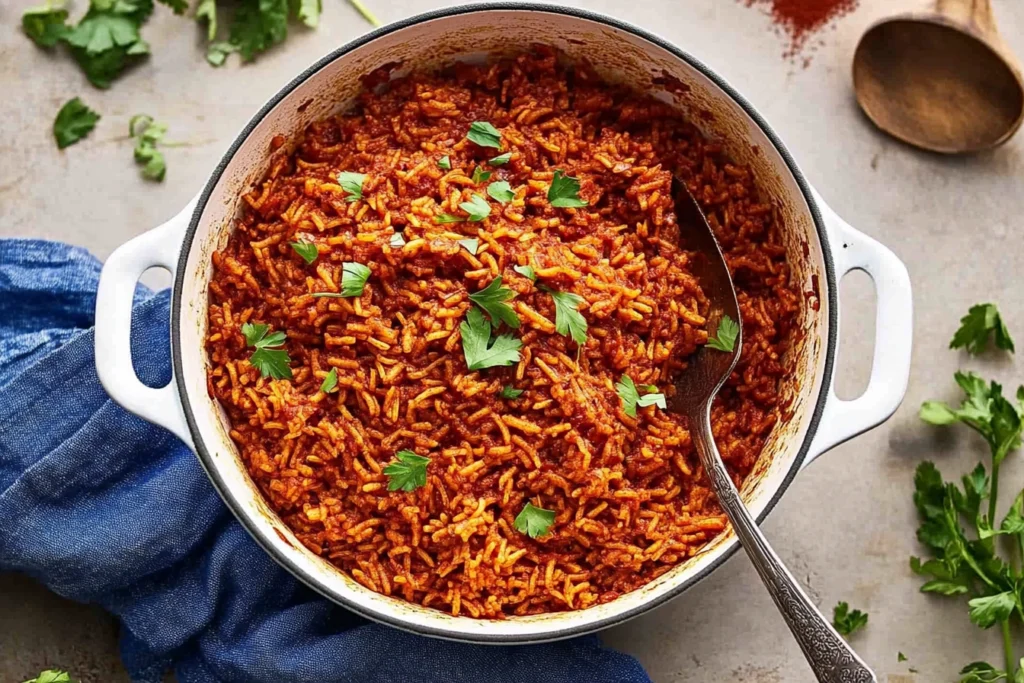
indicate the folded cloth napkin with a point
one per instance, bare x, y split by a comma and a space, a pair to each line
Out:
105, 508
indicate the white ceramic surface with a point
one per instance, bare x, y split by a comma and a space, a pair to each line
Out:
821, 248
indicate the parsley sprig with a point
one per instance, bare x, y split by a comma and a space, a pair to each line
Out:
534, 521
847, 621
484, 134
478, 348
269, 358
51, 676
148, 134
569, 322
564, 192
966, 563
631, 398
408, 472
492, 300
74, 121
725, 336
981, 322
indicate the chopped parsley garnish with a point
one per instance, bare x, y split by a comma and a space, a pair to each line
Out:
353, 278
445, 162
477, 208
526, 271
269, 358
45, 25
981, 322
352, 183
725, 335
492, 299
397, 240
447, 218
74, 121
330, 381
900, 657
564, 192
501, 191
480, 175
471, 245
847, 621
631, 398
569, 322
408, 472
484, 134
217, 52
147, 134
307, 250
51, 676
534, 521
500, 160
480, 352
510, 392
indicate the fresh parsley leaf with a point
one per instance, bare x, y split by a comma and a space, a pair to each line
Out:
500, 160
268, 358
352, 183
471, 245
484, 134
51, 676
445, 162
492, 300
501, 191
397, 240
534, 521
651, 400
217, 53
330, 381
1013, 523
568, 320
564, 192
476, 335
900, 657
989, 609
147, 134
477, 208
307, 250
45, 25
353, 278
631, 398
408, 472
107, 41
308, 12
725, 335
510, 392
74, 121
480, 175
447, 218
527, 272
847, 621
981, 672
981, 322
258, 26
206, 11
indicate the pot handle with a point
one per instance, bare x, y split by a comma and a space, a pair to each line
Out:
157, 248
894, 330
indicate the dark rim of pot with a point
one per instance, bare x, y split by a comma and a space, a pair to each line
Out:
410, 624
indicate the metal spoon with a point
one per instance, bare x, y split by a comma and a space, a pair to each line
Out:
830, 657
943, 80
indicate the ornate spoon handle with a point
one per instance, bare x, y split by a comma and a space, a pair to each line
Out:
830, 657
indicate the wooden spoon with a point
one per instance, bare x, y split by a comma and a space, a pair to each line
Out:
831, 658
944, 80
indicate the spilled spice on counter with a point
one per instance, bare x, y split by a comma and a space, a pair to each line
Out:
800, 19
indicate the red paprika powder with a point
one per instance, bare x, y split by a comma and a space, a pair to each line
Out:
799, 19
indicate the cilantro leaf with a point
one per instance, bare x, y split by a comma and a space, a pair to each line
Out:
147, 134
725, 335
484, 134
500, 160
51, 676
447, 218
476, 335
981, 322
492, 299
510, 392
74, 121
564, 192
526, 271
471, 245
307, 250
258, 26
353, 278
106, 41
308, 12
217, 53
989, 609
631, 398
206, 10
408, 472
330, 381
534, 521
480, 175
445, 162
352, 183
397, 240
568, 320
847, 621
477, 208
45, 25
268, 358
501, 191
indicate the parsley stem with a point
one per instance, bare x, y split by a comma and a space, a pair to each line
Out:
1008, 649
993, 493
365, 11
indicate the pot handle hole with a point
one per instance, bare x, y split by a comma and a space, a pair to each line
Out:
158, 248
841, 419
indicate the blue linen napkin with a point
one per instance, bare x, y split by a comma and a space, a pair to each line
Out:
105, 508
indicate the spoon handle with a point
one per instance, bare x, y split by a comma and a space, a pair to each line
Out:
830, 657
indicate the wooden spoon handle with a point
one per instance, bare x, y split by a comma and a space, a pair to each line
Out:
975, 14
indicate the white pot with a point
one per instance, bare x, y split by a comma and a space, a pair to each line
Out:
821, 248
